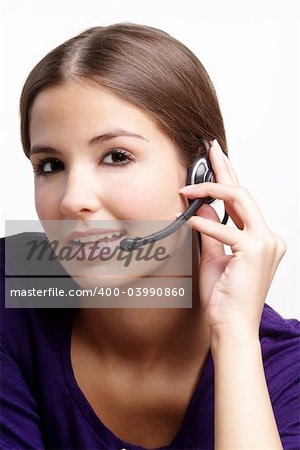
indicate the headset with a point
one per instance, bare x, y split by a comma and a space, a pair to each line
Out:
200, 172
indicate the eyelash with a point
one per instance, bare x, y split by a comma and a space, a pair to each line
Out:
38, 167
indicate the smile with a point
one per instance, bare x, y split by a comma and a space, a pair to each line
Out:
98, 238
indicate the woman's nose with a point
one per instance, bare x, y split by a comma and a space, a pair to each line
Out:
81, 196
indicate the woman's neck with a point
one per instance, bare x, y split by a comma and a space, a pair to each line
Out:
144, 337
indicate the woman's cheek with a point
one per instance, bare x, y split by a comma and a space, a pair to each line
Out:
46, 204
148, 197
131, 203
147, 203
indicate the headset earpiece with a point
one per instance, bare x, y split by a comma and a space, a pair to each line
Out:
201, 172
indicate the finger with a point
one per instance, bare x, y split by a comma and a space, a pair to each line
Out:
237, 197
211, 248
224, 234
224, 174
233, 173
221, 165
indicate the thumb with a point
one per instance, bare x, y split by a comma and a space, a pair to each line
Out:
211, 248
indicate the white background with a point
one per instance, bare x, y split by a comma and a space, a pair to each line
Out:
251, 51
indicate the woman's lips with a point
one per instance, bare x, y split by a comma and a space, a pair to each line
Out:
94, 249
92, 235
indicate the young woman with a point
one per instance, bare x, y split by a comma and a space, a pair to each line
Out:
111, 121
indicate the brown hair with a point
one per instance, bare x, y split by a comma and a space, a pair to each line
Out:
144, 66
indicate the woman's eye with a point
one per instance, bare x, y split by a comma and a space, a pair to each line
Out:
48, 167
52, 165
117, 158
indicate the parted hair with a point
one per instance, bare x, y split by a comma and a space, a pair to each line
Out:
144, 66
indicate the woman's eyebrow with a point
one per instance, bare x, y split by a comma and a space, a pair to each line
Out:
113, 134
95, 140
42, 149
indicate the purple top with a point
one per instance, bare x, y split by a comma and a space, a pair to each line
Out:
43, 407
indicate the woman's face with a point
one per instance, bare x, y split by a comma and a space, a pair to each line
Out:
99, 158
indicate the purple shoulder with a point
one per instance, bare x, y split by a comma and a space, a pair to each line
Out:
274, 325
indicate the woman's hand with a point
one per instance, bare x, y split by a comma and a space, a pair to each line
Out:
233, 287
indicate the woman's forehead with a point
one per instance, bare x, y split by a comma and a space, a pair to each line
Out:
74, 104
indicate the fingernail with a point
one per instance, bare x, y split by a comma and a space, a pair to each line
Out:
187, 188
217, 147
219, 151
178, 214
